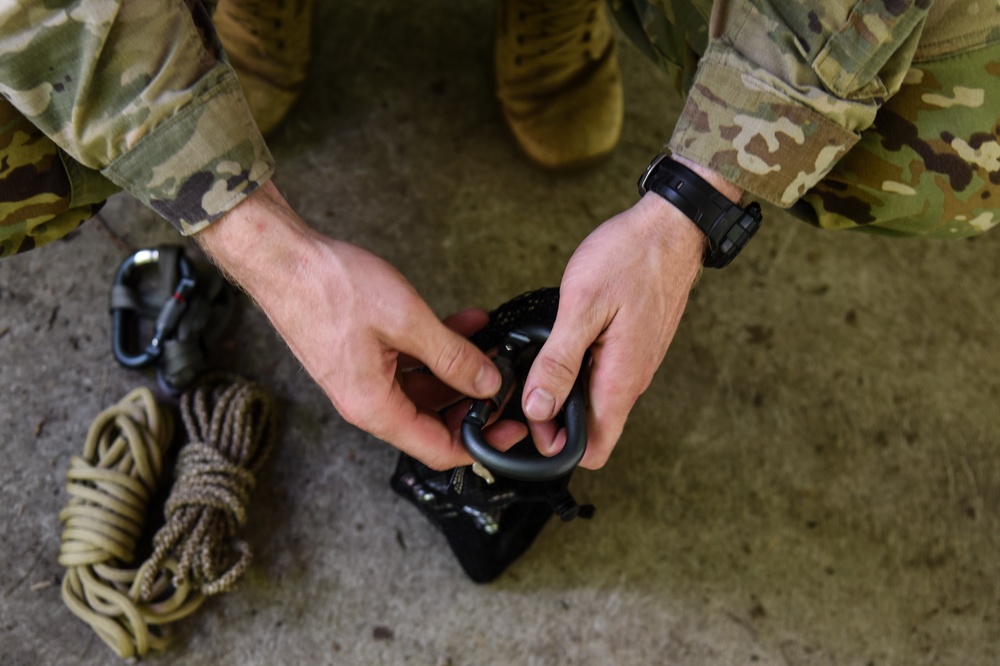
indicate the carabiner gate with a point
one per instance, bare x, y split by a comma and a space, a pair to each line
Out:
126, 305
574, 412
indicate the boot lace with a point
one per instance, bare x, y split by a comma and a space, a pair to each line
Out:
553, 40
558, 33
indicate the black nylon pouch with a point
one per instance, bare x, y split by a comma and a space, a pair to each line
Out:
488, 526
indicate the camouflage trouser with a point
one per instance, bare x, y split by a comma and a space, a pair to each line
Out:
44, 195
137, 95
929, 166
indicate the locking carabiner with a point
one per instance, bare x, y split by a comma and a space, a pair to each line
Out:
125, 305
574, 412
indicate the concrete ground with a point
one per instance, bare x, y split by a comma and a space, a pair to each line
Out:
812, 479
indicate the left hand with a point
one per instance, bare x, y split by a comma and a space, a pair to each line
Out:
622, 297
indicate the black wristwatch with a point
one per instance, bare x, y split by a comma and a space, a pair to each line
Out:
727, 226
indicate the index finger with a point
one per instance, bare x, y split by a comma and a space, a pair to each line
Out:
448, 355
418, 433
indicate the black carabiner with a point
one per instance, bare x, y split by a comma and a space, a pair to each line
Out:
574, 412
125, 305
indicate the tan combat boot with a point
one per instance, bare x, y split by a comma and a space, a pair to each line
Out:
558, 80
268, 44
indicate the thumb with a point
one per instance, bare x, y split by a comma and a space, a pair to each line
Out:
452, 359
558, 363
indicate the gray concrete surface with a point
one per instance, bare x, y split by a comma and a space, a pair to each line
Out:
812, 479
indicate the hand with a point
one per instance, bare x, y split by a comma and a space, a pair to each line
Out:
354, 323
430, 393
622, 297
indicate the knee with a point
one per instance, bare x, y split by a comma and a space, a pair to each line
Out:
958, 201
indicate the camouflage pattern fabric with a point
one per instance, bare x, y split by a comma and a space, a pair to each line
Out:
882, 116
135, 92
930, 165
878, 115
36, 202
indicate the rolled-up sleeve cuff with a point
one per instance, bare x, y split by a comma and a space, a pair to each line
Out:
756, 136
197, 165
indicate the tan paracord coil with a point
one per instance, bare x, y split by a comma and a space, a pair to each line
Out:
231, 430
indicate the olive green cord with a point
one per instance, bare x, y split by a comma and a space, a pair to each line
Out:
110, 486
230, 428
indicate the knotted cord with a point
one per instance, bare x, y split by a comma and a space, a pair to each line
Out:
230, 428
229, 423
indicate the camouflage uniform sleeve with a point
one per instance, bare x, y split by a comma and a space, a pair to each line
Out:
786, 86
140, 91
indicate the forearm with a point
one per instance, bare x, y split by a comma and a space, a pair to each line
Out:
266, 248
683, 241
263, 223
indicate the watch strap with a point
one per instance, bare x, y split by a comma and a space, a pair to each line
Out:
727, 226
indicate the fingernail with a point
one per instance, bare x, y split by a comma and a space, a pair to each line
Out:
540, 405
487, 382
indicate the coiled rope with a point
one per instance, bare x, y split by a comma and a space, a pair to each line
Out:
229, 423
230, 427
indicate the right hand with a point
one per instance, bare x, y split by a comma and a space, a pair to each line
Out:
353, 321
